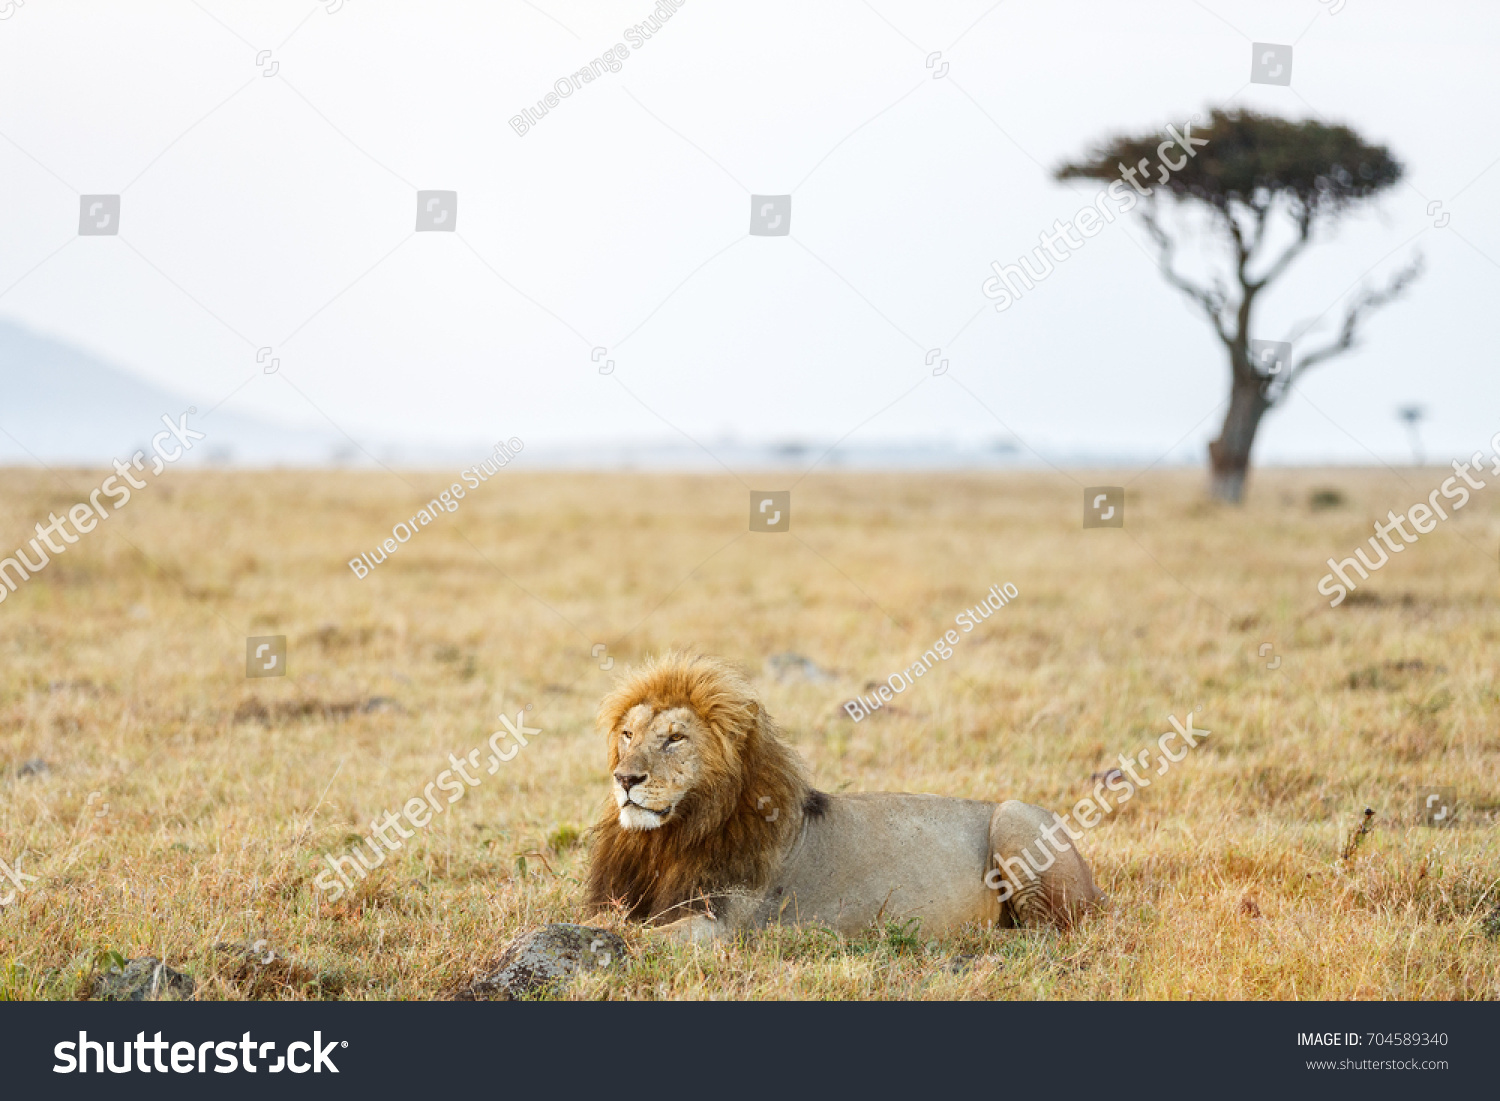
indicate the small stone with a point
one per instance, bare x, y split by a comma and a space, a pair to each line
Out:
252, 710
792, 666
145, 979
1491, 924
34, 767
548, 957
962, 964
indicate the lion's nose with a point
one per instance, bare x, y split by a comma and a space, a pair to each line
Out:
628, 780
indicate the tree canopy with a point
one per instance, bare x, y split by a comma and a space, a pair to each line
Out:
1256, 160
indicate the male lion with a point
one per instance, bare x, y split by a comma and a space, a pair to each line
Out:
714, 827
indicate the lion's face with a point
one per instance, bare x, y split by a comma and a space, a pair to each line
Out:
659, 758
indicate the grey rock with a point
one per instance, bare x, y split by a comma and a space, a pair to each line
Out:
961, 964
792, 666
1491, 924
145, 979
83, 685
34, 767
548, 957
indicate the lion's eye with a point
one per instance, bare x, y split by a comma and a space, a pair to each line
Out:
675, 738
625, 736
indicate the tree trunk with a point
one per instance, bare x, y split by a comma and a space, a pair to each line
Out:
1229, 455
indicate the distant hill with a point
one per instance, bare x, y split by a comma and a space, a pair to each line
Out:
65, 406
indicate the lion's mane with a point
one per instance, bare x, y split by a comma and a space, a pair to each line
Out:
731, 829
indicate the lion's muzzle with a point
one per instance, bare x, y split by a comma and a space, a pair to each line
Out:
633, 816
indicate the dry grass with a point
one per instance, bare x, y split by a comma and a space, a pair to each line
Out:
123, 670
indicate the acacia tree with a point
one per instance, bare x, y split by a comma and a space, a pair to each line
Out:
1256, 177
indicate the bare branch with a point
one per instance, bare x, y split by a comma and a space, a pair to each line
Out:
1211, 301
1262, 214
1304, 236
1241, 250
1367, 302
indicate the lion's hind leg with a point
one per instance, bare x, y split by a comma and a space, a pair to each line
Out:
1036, 867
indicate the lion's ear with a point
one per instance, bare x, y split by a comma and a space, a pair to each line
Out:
739, 731
756, 714
732, 732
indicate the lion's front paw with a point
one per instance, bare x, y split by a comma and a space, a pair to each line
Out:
697, 929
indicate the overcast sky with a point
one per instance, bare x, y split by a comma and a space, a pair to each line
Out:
270, 201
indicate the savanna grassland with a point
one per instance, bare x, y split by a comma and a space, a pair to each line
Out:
170, 807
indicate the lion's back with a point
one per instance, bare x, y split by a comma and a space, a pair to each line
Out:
889, 856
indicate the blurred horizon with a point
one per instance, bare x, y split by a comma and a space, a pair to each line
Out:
81, 412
